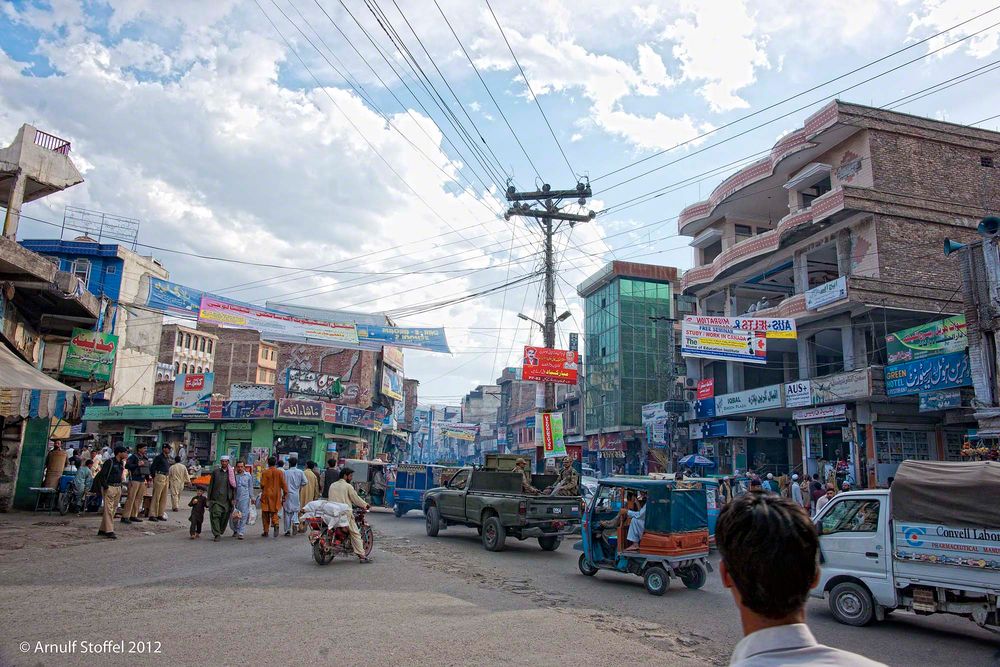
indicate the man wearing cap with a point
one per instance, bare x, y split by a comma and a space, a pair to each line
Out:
108, 483
770, 485
160, 469
568, 483
342, 491
797, 491
138, 472
220, 497
521, 466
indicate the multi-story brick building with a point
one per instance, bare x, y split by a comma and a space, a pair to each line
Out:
840, 228
241, 357
182, 350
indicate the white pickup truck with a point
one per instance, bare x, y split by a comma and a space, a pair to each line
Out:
931, 545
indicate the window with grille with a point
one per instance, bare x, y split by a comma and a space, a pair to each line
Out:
898, 446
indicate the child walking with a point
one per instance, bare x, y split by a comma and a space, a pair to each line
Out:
197, 505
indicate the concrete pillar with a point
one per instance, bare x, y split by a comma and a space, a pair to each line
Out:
734, 377
860, 349
729, 308
14, 205
847, 343
844, 253
800, 272
804, 345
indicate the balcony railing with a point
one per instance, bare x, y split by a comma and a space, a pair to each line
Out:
51, 142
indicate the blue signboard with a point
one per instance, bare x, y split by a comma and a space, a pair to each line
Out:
248, 409
705, 408
177, 299
421, 338
941, 372
945, 399
716, 429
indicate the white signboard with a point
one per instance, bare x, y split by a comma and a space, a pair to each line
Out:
764, 398
771, 327
696, 430
824, 413
274, 325
251, 392
827, 293
798, 394
704, 341
841, 387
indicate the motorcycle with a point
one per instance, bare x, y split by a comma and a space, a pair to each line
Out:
330, 542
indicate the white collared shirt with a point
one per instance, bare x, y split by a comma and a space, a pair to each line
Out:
792, 645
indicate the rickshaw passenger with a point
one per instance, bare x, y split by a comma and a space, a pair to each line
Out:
379, 486
613, 524
638, 525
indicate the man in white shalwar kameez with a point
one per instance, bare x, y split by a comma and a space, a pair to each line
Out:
295, 479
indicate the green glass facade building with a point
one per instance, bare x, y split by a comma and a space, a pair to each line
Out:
628, 354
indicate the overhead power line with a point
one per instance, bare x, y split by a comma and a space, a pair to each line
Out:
796, 95
530, 90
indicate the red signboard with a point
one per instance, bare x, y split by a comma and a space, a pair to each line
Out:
194, 382
706, 388
543, 364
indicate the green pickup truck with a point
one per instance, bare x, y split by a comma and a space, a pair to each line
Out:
492, 502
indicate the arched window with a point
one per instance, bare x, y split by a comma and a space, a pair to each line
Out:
210, 347
201, 345
199, 369
184, 368
187, 340
177, 367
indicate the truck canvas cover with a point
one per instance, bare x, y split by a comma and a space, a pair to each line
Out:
963, 495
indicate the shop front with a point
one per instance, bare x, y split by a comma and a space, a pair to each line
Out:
741, 444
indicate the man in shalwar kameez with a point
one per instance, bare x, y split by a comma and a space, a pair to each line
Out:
295, 479
242, 499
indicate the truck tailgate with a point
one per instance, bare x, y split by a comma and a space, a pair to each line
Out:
556, 508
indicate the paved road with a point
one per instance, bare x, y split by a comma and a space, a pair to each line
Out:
442, 601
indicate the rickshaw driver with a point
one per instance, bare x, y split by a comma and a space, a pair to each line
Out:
613, 524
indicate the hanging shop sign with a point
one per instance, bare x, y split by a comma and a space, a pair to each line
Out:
941, 372
246, 410
825, 413
772, 327
704, 409
171, 298
251, 392
927, 340
459, 435
798, 394
608, 442
90, 355
275, 325
297, 408
706, 341
393, 356
193, 393
696, 430
349, 416
549, 434
543, 364
574, 342
706, 388
752, 400
310, 383
392, 383
946, 399
827, 293
842, 386
417, 338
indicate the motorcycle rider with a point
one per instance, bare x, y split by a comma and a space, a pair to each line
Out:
343, 492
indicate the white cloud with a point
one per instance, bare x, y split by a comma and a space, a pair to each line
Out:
716, 43
936, 15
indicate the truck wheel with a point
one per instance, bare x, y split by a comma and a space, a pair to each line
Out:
656, 579
494, 534
585, 566
433, 521
852, 604
694, 576
549, 542
398, 510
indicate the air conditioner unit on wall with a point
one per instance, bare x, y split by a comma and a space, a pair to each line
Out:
687, 382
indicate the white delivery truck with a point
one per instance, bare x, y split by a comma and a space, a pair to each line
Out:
929, 545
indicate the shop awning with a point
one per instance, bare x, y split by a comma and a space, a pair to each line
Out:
347, 438
27, 392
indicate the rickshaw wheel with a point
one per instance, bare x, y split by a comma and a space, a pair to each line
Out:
694, 577
585, 566
656, 579
318, 555
398, 510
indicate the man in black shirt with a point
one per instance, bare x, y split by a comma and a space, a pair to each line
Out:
330, 475
138, 472
159, 469
109, 484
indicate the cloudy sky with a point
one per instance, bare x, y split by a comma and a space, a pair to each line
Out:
354, 143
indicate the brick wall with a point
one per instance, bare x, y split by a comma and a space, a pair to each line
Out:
356, 368
168, 340
921, 163
235, 357
163, 392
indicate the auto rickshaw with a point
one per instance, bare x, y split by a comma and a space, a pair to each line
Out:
365, 475
674, 543
412, 480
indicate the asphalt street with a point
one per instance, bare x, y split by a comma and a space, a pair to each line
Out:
428, 601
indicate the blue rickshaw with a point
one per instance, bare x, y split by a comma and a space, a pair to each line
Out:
412, 480
674, 543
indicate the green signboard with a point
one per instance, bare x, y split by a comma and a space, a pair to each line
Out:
927, 340
91, 355
128, 412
